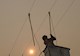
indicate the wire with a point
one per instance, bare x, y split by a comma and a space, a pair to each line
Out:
20, 30
32, 5
61, 19
33, 34
40, 53
30, 21
31, 24
42, 21
38, 45
65, 13
17, 37
53, 5
50, 22
31, 29
46, 16
53, 29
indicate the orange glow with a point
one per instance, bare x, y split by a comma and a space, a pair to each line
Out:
31, 51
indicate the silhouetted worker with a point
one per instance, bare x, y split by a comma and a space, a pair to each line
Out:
53, 50
48, 41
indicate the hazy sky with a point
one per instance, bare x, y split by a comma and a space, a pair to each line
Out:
12, 17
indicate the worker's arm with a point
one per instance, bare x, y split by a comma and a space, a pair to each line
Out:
52, 37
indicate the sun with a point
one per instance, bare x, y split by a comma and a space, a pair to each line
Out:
31, 51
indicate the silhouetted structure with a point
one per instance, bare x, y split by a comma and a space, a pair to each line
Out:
53, 50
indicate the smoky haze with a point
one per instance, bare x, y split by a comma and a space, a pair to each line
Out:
65, 15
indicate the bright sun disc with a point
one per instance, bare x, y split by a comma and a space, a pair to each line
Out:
31, 51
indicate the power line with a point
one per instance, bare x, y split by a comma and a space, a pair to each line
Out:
33, 34
39, 28
32, 5
17, 37
30, 21
34, 38
65, 13
31, 26
20, 30
53, 5
61, 18
46, 15
44, 20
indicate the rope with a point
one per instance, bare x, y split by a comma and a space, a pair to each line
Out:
50, 28
31, 29
50, 22
33, 34
46, 16
61, 18
20, 30
53, 29
44, 20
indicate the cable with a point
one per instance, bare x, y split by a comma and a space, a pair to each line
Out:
53, 29
38, 45
20, 31
61, 19
32, 5
33, 34
31, 29
40, 53
41, 24
44, 20
31, 23
50, 22
53, 5
46, 16
65, 12
17, 36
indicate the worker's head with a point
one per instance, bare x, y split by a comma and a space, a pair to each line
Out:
44, 37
